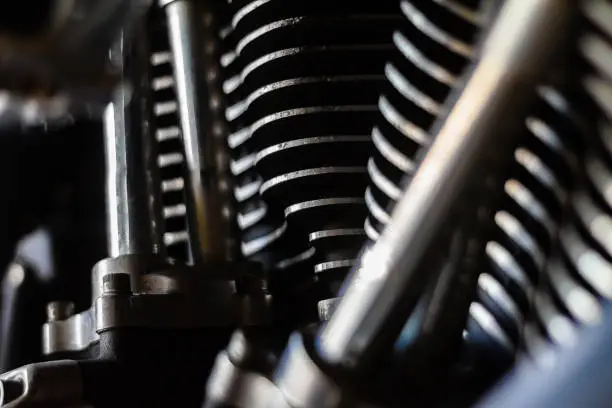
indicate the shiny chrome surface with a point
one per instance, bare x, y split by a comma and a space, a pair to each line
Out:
134, 219
202, 205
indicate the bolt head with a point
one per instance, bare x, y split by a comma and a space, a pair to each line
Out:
59, 310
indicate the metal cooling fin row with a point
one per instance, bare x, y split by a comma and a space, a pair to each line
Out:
578, 278
526, 225
304, 80
168, 135
434, 44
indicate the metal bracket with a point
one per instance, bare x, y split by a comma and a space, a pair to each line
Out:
179, 297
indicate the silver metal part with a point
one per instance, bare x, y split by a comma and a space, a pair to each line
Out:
515, 56
135, 291
134, 215
50, 384
132, 265
204, 209
125, 234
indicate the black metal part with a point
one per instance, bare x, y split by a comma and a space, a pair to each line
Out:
28, 18
302, 82
152, 367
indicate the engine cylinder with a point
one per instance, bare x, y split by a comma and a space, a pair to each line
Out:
302, 102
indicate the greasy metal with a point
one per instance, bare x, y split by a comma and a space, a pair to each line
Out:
203, 207
42, 385
514, 58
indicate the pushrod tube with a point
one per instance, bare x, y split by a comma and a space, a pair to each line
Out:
133, 206
204, 207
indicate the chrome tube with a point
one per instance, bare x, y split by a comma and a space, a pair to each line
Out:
133, 207
202, 201
390, 278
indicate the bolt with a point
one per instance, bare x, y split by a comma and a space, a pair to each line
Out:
59, 310
116, 283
